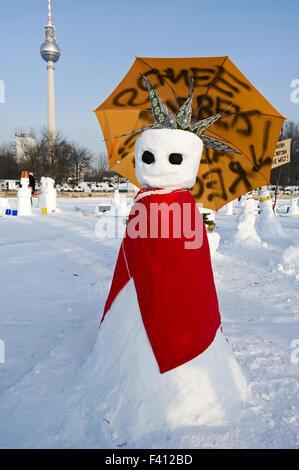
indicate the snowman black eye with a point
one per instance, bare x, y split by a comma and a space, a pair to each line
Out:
148, 157
175, 158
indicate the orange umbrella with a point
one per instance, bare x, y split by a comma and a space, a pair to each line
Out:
249, 122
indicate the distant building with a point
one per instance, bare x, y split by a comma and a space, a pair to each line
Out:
113, 177
21, 142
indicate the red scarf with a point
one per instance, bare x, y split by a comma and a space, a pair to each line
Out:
175, 286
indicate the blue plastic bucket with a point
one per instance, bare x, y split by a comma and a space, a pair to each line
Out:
14, 213
8, 212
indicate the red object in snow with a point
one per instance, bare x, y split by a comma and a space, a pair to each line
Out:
174, 285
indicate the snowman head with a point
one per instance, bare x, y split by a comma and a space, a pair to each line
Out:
167, 158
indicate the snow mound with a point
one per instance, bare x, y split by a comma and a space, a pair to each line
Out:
290, 261
214, 240
245, 223
3, 205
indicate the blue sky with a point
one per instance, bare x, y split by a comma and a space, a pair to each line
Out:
99, 39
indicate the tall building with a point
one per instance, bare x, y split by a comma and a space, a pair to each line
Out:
22, 143
50, 52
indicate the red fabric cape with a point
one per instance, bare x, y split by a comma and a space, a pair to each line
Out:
174, 285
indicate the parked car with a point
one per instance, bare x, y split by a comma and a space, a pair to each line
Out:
66, 188
78, 189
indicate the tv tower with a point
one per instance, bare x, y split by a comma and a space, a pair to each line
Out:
50, 52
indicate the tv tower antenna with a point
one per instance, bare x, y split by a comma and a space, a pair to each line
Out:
49, 12
50, 52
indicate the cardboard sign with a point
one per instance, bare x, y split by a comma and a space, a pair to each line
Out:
282, 153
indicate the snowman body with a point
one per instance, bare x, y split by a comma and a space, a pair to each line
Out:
293, 208
47, 198
161, 360
24, 198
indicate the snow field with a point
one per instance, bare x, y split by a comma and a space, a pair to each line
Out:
55, 275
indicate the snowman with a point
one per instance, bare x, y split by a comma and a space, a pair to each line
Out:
47, 198
24, 195
161, 361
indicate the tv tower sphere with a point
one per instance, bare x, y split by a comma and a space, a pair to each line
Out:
50, 52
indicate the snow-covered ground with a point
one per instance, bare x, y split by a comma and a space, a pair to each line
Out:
54, 278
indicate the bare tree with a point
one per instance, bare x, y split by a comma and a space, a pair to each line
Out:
66, 160
9, 168
102, 161
34, 155
80, 160
99, 167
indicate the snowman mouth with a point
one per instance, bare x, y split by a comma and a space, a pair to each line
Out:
159, 175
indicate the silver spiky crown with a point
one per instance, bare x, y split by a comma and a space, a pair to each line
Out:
182, 119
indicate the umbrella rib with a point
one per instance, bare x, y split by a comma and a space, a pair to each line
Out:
124, 109
242, 153
224, 140
222, 117
250, 112
164, 79
214, 192
142, 60
208, 89
179, 102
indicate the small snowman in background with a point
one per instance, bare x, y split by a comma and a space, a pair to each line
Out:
116, 196
293, 208
24, 196
119, 206
245, 222
113, 217
265, 203
267, 223
47, 197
